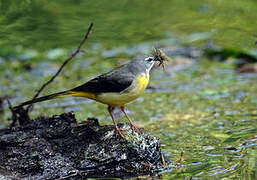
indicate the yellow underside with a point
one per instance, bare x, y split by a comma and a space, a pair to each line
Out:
117, 99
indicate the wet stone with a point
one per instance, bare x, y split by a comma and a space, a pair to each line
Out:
59, 147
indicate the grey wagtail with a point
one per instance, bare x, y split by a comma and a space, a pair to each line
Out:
115, 88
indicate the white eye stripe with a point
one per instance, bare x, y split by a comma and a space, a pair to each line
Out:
149, 58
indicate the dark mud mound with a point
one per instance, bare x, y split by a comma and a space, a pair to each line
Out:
59, 147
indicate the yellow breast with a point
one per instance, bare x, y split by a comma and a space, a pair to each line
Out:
142, 82
131, 93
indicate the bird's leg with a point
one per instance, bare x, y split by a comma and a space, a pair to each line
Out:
132, 126
117, 130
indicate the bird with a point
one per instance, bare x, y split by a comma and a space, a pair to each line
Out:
115, 88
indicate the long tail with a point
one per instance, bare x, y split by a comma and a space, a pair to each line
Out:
44, 98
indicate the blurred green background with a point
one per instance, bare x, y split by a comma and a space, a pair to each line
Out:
202, 107
60, 23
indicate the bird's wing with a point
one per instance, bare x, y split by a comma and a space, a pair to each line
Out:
116, 80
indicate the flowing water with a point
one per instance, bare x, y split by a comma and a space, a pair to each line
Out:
200, 107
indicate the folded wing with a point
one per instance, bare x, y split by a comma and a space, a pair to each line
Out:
116, 80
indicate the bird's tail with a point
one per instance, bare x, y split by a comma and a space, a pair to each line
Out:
44, 98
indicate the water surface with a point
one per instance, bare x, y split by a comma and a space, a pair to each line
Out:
200, 107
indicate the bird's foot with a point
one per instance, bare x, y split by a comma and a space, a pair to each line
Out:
118, 131
133, 127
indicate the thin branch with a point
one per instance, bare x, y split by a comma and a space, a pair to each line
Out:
65, 62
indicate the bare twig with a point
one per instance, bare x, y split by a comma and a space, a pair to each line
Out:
65, 62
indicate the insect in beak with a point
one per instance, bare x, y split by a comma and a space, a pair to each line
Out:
161, 57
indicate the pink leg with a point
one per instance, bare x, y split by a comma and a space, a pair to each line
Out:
132, 126
117, 130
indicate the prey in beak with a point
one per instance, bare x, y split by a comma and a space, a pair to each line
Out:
161, 57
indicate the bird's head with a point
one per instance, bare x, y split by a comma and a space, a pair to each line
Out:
159, 56
145, 64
